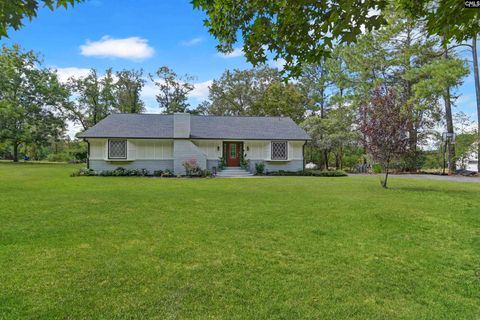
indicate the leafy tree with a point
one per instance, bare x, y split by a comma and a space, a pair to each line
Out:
95, 98
30, 99
331, 134
174, 90
384, 125
128, 87
254, 92
14, 11
281, 100
304, 32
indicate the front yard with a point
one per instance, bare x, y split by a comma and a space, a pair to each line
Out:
283, 247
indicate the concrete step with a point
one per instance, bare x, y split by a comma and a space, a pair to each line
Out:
234, 172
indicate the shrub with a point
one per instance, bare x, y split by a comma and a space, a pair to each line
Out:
376, 168
192, 168
221, 163
207, 174
167, 173
259, 168
83, 172
157, 173
58, 157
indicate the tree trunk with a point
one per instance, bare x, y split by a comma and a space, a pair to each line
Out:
477, 91
325, 154
15, 152
387, 166
449, 120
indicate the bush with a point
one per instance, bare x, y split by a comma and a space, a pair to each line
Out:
192, 168
58, 157
207, 174
259, 168
221, 163
376, 168
157, 173
167, 173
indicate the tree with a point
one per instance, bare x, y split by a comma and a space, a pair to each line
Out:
254, 92
30, 99
95, 98
174, 90
128, 87
384, 125
281, 99
13, 12
304, 32
331, 134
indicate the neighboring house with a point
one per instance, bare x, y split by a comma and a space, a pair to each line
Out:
469, 161
160, 142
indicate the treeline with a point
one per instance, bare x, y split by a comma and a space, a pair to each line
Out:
327, 98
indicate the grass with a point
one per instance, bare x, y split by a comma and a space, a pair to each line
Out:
272, 248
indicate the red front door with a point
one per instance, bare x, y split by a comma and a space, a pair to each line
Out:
233, 154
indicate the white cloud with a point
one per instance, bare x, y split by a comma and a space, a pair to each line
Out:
192, 42
133, 48
279, 63
237, 52
201, 90
65, 73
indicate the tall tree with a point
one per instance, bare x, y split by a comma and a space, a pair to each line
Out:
128, 87
255, 92
30, 99
304, 32
13, 12
174, 90
385, 126
94, 98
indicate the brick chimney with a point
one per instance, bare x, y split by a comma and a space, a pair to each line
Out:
181, 125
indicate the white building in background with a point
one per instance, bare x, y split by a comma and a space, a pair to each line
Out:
470, 162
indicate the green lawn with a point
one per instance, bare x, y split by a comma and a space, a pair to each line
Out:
285, 248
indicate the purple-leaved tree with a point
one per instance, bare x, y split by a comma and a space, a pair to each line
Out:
384, 126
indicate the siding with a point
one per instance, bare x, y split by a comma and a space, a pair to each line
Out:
211, 148
293, 165
185, 150
137, 149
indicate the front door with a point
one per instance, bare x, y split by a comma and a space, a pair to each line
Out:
233, 154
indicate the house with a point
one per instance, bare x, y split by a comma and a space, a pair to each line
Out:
160, 142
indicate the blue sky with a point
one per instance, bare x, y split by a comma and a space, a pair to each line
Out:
143, 34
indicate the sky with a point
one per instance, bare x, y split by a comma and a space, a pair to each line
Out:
147, 34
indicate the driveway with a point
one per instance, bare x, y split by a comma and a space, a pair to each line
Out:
430, 177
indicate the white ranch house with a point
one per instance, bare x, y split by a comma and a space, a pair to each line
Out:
160, 142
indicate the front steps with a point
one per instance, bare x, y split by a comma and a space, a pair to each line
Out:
234, 172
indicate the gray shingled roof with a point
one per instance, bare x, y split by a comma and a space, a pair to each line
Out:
202, 127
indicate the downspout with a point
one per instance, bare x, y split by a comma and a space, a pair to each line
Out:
88, 153
303, 154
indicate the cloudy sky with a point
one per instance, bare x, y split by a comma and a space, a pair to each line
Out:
143, 34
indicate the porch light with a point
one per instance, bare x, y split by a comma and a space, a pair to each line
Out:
218, 148
248, 148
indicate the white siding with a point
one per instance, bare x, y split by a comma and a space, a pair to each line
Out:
211, 148
137, 149
257, 150
261, 150
151, 149
295, 150
98, 149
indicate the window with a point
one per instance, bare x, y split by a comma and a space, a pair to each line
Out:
117, 149
233, 150
279, 150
